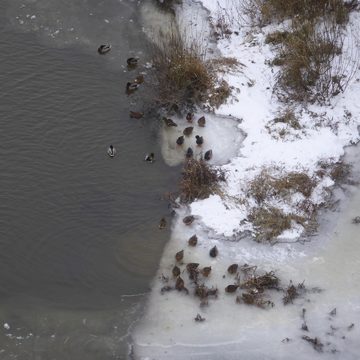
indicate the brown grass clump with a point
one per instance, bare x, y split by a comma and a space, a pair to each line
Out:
271, 222
266, 185
340, 172
199, 180
288, 117
182, 73
276, 37
219, 94
292, 292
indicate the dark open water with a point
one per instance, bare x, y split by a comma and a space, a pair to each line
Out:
78, 230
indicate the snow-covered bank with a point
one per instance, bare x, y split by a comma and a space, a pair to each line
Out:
330, 262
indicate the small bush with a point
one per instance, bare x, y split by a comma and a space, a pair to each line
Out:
183, 75
199, 180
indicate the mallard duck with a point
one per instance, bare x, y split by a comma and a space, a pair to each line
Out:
189, 117
103, 49
150, 157
111, 151
132, 61
208, 155
139, 79
176, 271
179, 255
202, 121
232, 269
199, 140
189, 153
206, 271
188, 130
180, 140
169, 122
192, 266
162, 224
213, 252
193, 240
231, 288
131, 87
136, 114
188, 220
179, 285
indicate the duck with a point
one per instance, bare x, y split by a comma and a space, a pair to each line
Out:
180, 140
202, 121
111, 151
176, 271
188, 130
231, 288
179, 255
189, 153
169, 122
136, 114
188, 220
232, 269
192, 266
199, 140
162, 224
139, 79
131, 87
206, 271
103, 49
189, 117
193, 240
150, 157
132, 61
208, 155
179, 285
214, 252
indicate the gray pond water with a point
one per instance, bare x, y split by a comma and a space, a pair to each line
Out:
79, 242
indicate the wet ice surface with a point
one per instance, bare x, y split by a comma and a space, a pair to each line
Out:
231, 330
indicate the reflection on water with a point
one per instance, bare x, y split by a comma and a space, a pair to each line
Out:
78, 230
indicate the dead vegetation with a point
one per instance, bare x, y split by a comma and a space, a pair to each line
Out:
266, 185
184, 76
309, 51
292, 292
199, 180
270, 222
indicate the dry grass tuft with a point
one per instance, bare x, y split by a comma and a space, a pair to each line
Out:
271, 222
199, 180
288, 117
265, 185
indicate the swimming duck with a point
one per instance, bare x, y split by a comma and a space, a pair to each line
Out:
206, 271
201, 121
214, 252
162, 224
136, 114
132, 61
169, 122
103, 49
231, 288
180, 140
199, 140
208, 155
111, 151
193, 240
188, 130
188, 220
176, 271
232, 269
189, 117
150, 157
189, 153
179, 255
131, 87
